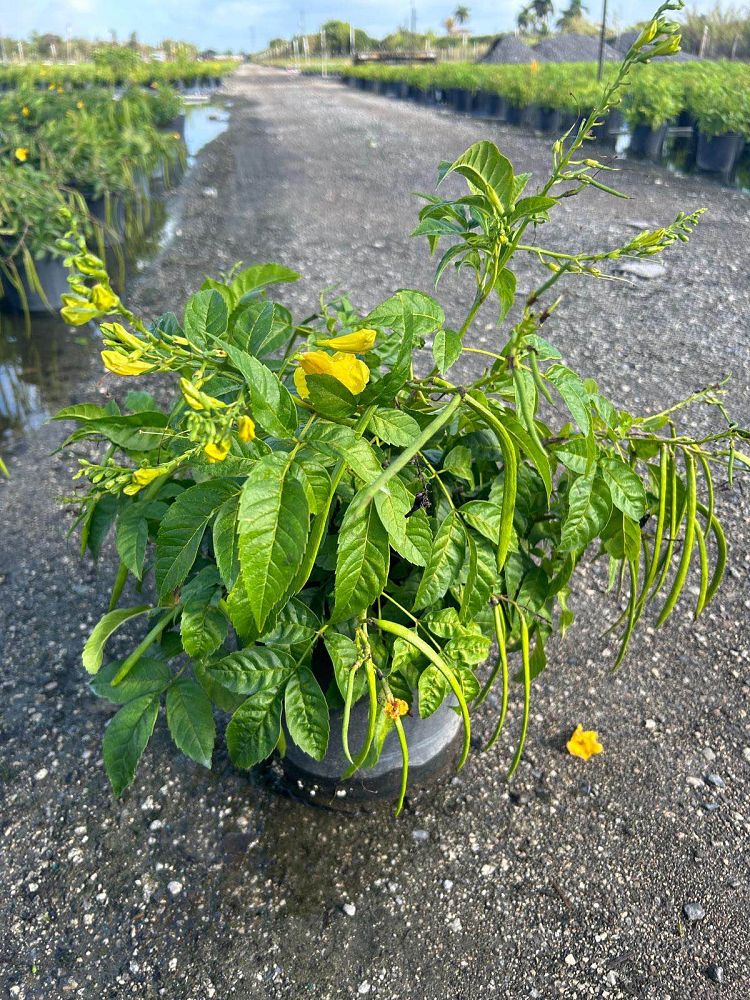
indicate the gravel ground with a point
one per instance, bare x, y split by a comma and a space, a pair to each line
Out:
572, 882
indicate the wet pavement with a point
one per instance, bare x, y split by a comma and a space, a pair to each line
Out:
571, 882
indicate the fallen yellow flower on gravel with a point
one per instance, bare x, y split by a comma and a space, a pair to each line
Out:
584, 743
359, 342
345, 368
120, 364
22, 154
217, 451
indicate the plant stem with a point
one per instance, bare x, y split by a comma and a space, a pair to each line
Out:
142, 646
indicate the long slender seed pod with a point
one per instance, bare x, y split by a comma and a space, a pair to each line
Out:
510, 486
709, 487
632, 612
347, 710
437, 661
501, 663
526, 695
664, 470
675, 520
703, 553
687, 545
405, 769
371, 720
538, 378
721, 555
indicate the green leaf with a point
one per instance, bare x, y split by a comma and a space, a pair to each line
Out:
575, 528
486, 169
149, 676
575, 455
409, 536
306, 713
252, 279
257, 668
97, 523
206, 317
226, 541
93, 651
433, 687
362, 560
444, 563
482, 579
126, 737
458, 462
254, 729
271, 402
505, 286
82, 412
344, 443
446, 349
344, 655
330, 397
427, 315
181, 531
626, 488
203, 628
485, 517
131, 537
132, 432
296, 625
574, 394
315, 481
191, 720
533, 205
393, 426
273, 527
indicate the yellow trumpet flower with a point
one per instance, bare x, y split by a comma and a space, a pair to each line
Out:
116, 331
347, 369
246, 428
584, 743
359, 342
25, 111
77, 311
217, 451
103, 298
22, 154
120, 364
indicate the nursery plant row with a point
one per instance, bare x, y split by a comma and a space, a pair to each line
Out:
90, 155
80, 76
713, 98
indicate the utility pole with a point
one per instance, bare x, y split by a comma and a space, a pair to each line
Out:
601, 40
352, 50
67, 42
413, 17
323, 53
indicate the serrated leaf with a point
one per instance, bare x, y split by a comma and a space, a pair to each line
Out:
625, 487
446, 349
93, 651
484, 166
149, 676
362, 560
427, 315
306, 713
574, 394
203, 628
505, 286
459, 463
296, 624
330, 397
126, 737
206, 317
254, 729
252, 279
191, 720
273, 527
432, 688
131, 537
444, 563
410, 536
272, 404
182, 528
256, 668
393, 426
344, 655
226, 541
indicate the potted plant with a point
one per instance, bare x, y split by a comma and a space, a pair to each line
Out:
653, 99
326, 544
722, 116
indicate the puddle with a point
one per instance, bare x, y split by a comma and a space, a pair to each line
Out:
40, 367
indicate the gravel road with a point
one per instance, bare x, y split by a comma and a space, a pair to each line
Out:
571, 883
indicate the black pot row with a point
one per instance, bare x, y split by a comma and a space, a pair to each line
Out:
713, 154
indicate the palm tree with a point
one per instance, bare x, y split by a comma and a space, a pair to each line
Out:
523, 20
575, 10
450, 25
461, 14
542, 10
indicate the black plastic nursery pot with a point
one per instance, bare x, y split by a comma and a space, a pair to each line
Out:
719, 153
53, 277
487, 105
647, 142
514, 115
548, 120
434, 748
461, 100
177, 124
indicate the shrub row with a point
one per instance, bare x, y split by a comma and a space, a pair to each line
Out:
81, 75
714, 95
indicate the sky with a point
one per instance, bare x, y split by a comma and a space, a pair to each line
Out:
249, 24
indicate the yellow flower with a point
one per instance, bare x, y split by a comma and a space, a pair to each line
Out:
353, 343
347, 369
115, 331
22, 154
103, 298
60, 90
80, 105
51, 87
394, 708
120, 364
217, 451
246, 428
77, 311
584, 743
25, 111
198, 400
534, 66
